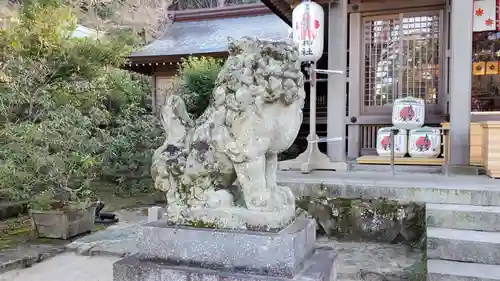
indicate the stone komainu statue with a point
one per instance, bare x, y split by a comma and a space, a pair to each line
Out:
221, 168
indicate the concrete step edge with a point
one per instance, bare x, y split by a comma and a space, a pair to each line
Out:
463, 269
463, 217
463, 235
463, 208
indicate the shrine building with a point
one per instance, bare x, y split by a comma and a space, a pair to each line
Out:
396, 48
388, 49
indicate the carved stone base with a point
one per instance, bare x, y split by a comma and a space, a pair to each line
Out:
169, 253
321, 266
280, 252
312, 159
242, 218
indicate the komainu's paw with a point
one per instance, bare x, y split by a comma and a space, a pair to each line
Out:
284, 195
219, 199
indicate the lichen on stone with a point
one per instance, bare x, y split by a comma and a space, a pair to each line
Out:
254, 114
378, 219
201, 224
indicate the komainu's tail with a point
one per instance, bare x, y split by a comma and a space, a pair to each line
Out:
175, 120
177, 125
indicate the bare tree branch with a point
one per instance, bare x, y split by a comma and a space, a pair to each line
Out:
153, 16
150, 17
8, 10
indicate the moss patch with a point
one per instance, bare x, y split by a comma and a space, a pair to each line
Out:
419, 271
379, 220
201, 224
15, 231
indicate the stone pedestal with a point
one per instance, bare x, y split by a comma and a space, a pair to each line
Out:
155, 213
171, 253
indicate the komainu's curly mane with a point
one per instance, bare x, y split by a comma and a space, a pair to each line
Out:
265, 72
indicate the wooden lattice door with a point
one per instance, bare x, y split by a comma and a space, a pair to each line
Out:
402, 57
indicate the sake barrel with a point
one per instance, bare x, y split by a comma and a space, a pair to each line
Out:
384, 142
424, 142
408, 113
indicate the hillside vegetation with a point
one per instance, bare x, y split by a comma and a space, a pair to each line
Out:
70, 119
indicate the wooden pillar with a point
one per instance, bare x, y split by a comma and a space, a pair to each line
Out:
153, 92
337, 60
460, 80
355, 63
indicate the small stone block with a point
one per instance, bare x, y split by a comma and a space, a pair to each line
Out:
272, 253
321, 266
155, 213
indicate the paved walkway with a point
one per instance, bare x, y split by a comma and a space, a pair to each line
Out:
393, 262
66, 267
92, 257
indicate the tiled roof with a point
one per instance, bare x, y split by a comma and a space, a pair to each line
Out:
210, 36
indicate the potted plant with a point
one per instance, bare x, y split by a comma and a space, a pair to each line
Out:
64, 209
53, 218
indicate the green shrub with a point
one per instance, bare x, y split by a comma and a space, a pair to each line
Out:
197, 81
70, 119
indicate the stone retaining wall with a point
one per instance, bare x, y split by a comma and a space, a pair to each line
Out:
377, 220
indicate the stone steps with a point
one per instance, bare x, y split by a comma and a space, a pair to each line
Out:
416, 187
463, 217
441, 270
463, 213
463, 245
463, 242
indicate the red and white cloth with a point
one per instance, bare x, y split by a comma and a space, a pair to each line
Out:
485, 15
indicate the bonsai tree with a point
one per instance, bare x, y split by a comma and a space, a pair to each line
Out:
69, 187
54, 157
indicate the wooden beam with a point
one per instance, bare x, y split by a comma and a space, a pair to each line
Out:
385, 119
153, 92
166, 59
391, 5
221, 12
281, 9
285, 7
377, 160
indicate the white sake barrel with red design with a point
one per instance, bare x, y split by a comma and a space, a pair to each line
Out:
384, 142
424, 142
408, 113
